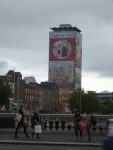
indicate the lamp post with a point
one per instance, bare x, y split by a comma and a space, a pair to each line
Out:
100, 104
18, 91
80, 100
31, 102
53, 101
14, 87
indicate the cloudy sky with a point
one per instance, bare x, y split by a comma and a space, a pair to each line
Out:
24, 37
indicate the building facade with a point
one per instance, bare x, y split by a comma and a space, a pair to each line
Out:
65, 58
105, 96
49, 95
19, 86
31, 96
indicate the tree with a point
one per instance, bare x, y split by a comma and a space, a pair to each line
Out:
5, 93
103, 109
88, 101
106, 108
74, 100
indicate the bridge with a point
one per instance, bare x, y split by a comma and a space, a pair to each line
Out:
59, 130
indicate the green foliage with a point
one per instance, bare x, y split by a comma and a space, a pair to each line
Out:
88, 101
5, 93
74, 100
106, 108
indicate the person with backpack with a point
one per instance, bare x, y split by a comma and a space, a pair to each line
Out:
36, 119
88, 124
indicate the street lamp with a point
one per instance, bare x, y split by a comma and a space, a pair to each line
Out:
80, 100
53, 98
31, 102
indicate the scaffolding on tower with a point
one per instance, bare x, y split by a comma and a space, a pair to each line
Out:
68, 83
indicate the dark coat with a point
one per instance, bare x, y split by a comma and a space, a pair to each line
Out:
77, 118
21, 113
37, 118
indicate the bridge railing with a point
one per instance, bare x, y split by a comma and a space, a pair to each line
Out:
55, 122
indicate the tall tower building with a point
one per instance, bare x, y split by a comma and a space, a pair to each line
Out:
65, 57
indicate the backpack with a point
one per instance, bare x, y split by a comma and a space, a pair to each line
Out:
93, 120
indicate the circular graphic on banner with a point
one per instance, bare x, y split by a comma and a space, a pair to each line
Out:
62, 49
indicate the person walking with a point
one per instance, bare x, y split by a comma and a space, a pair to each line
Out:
77, 118
21, 122
36, 121
88, 124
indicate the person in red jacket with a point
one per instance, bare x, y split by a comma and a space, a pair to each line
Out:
77, 118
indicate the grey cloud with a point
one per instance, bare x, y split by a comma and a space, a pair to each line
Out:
24, 33
24, 22
3, 64
99, 62
3, 67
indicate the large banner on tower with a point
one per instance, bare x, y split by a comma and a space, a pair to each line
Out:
65, 59
61, 59
61, 46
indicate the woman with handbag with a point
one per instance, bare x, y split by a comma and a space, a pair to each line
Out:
21, 122
36, 121
77, 118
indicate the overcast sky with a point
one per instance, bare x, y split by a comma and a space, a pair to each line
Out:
24, 37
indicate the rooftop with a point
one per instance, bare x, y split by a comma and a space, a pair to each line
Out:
65, 27
105, 91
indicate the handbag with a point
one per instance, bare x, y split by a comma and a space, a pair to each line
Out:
25, 120
81, 126
18, 117
38, 129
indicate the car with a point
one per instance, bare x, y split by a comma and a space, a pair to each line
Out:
108, 141
14, 110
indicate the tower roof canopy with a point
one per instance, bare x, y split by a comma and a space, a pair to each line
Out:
65, 27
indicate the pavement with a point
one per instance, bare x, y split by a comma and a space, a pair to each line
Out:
51, 139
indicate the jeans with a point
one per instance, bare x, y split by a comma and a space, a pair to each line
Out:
88, 131
18, 126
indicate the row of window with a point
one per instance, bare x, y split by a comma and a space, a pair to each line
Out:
31, 98
47, 107
30, 91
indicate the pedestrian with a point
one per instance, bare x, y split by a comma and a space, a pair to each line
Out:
21, 122
77, 118
36, 121
88, 124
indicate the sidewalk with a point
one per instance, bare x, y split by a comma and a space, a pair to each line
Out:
50, 139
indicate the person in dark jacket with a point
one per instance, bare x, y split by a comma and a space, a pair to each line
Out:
36, 121
21, 123
77, 118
